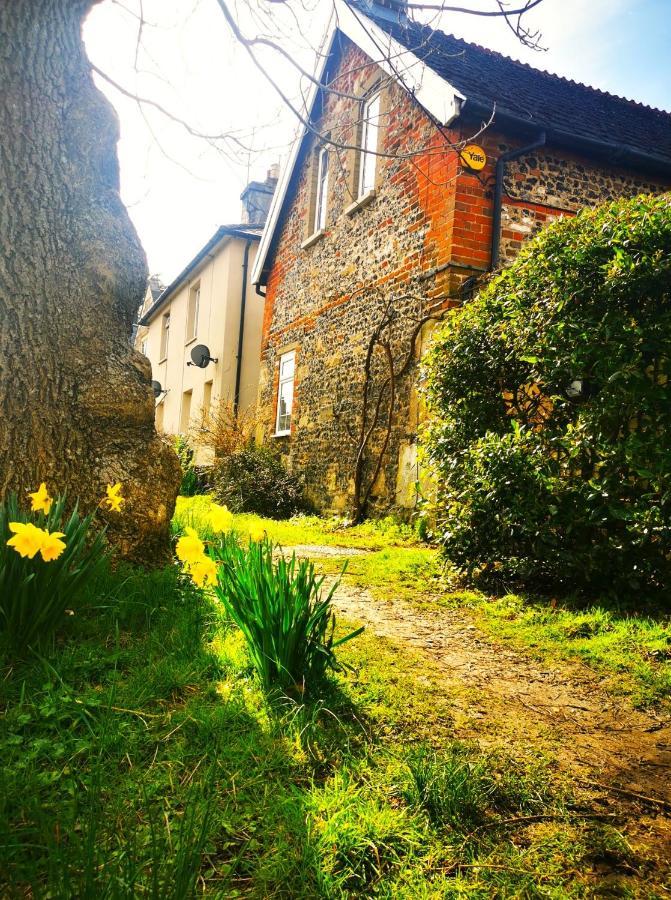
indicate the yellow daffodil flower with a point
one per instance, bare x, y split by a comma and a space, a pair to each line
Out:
256, 533
114, 499
27, 540
202, 571
41, 501
190, 548
52, 545
221, 519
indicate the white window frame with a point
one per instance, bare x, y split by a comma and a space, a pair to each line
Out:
193, 309
144, 344
370, 131
165, 336
322, 190
284, 380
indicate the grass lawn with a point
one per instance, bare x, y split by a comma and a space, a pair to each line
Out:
139, 758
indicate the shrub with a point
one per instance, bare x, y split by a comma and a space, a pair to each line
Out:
550, 409
224, 429
36, 589
254, 480
190, 481
278, 605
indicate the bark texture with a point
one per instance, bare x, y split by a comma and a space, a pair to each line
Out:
76, 408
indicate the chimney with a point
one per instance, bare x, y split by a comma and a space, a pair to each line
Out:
256, 198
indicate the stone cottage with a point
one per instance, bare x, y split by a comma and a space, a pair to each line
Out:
425, 163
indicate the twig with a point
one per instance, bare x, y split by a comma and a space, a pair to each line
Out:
654, 801
136, 712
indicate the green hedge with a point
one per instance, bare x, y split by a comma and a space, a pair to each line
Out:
536, 485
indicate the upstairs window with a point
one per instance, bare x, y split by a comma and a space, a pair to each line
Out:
321, 194
192, 312
285, 393
165, 335
370, 129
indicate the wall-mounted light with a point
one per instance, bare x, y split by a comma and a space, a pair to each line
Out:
200, 356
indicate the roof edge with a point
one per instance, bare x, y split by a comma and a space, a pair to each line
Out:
224, 231
436, 95
616, 153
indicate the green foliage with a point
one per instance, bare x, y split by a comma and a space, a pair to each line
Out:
190, 481
536, 486
279, 607
34, 594
360, 839
634, 651
254, 480
460, 787
139, 759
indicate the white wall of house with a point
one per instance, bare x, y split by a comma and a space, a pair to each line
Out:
188, 389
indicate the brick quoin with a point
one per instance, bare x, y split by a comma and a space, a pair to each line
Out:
428, 229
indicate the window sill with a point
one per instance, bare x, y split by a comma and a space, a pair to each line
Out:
280, 434
361, 202
308, 242
165, 359
191, 340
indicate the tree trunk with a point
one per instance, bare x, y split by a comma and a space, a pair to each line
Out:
76, 408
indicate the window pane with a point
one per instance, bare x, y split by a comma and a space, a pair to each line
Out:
369, 137
192, 312
165, 334
285, 393
287, 366
322, 190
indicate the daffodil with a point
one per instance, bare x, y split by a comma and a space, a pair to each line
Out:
190, 548
221, 518
41, 501
202, 571
114, 499
256, 533
52, 545
27, 540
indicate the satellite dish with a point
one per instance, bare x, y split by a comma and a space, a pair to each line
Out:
157, 390
200, 356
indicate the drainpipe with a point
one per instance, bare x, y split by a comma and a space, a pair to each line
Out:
498, 193
241, 331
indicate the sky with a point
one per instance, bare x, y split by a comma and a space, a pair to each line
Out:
180, 187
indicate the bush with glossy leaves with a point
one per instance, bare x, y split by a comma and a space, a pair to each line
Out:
550, 409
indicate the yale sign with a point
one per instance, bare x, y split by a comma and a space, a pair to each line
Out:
473, 157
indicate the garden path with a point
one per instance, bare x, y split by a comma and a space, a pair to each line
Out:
611, 750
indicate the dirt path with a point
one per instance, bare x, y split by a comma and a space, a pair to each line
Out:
612, 750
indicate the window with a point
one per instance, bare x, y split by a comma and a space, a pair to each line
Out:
143, 347
207, 400
321, 197
285, 393
370, 128
192, 312
185, 416
165, 335
160, 410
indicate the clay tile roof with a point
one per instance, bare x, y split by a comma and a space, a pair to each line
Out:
490, 79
